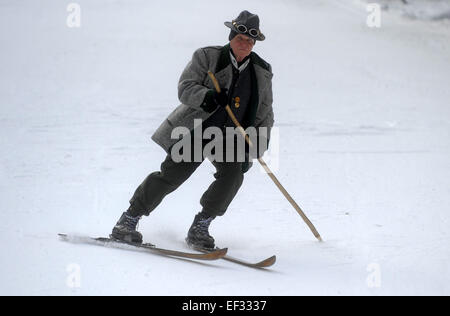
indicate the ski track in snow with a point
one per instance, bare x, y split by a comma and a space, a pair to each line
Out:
364, 130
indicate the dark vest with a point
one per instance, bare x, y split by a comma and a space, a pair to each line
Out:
240, 94
240, 97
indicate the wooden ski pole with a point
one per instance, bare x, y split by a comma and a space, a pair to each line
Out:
263, 163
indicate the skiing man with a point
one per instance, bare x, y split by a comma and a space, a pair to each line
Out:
246, 85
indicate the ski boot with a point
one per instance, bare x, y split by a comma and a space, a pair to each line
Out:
125, 229
198, 235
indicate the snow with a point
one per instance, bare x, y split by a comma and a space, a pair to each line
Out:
363, 117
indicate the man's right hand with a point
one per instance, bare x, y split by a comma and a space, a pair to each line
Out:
221, 98
213, 99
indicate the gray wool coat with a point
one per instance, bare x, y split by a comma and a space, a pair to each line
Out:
194, 83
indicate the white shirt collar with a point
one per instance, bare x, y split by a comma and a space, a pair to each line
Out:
235, 63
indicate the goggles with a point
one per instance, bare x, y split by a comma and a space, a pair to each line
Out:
244, 30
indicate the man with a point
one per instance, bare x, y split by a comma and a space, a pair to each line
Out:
246, 82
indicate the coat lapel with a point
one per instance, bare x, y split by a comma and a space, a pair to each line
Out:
224, 77
223, 72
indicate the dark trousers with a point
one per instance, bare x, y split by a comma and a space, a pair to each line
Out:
215, 200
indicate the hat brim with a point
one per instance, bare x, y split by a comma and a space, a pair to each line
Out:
260, 37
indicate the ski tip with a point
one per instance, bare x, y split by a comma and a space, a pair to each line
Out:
267, 262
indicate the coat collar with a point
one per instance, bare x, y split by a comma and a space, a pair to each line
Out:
224, 58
